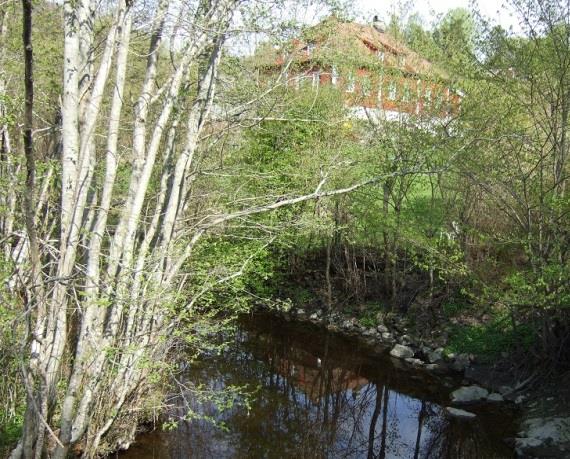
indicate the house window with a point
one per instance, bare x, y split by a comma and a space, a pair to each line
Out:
439, 101
316, 78
427, 96
419, 96
350, 84
392, 91
366, 86
407, 94
334, 76
310, 48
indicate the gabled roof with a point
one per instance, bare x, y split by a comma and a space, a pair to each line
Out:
357, 44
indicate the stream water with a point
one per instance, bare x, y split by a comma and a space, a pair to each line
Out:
315, 394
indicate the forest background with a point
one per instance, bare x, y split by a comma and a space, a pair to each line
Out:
154, 187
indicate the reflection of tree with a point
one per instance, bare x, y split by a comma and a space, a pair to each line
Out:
374, 420
382, 454
421, 417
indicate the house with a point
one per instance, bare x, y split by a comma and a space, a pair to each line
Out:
376, 73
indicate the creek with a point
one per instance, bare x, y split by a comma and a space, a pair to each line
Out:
315, 394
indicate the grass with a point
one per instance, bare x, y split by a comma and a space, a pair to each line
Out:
488, 341
369, 317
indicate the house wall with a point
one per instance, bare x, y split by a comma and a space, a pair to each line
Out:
410, 95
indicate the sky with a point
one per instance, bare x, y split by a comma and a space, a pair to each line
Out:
429, 9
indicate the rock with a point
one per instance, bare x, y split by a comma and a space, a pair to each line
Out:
301, 312
382, 328
369, 332
405, 339
438, 368
388, 338
314, 316
460, 414
414, 362
541, 436
495, 397
435, 356
469, 394
401, 352
347, 324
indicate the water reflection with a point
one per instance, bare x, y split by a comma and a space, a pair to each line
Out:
320, 396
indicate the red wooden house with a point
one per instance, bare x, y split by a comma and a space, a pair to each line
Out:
374, 71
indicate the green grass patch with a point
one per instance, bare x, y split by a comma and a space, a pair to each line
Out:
488, 341
369, 316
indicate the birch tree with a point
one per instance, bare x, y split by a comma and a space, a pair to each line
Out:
99, 301
89, 288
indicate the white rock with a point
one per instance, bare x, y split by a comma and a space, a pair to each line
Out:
461, 414
401, 352
469, 394
541, 431
495, 397
382, 328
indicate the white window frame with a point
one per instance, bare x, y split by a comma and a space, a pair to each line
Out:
316, 78
392, 91
334, 76
350, 84
406, 93
427, 96
366, 85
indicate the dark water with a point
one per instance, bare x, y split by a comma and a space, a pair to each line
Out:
319, 395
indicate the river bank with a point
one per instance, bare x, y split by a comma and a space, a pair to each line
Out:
544, 429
